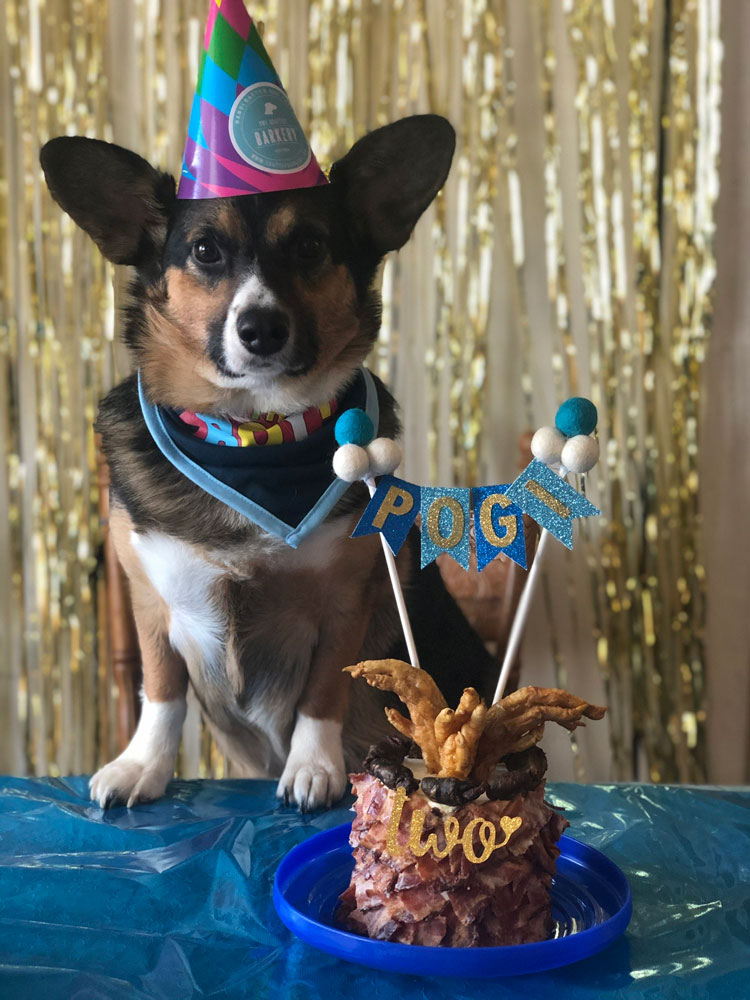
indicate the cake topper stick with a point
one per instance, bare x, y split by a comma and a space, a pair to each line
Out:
522, 613
397, 591
569, 446
361, 458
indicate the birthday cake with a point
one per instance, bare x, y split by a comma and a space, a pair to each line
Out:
453, 842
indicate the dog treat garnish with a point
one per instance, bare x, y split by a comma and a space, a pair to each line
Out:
465, 746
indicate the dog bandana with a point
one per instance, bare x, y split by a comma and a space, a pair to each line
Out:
258, 429
289, 489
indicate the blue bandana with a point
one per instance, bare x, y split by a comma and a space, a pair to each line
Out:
286, 489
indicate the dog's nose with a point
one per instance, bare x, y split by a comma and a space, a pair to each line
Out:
263, 331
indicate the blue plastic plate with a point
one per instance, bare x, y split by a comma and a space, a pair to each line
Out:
591, 904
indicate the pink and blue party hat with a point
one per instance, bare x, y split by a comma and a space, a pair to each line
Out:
243, 136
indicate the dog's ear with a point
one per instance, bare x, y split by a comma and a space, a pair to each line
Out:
390, 176
118, 198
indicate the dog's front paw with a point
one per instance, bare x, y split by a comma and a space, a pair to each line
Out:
312, 785
128, 780
315, 774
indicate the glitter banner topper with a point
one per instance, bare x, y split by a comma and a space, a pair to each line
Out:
497, 515
446, 521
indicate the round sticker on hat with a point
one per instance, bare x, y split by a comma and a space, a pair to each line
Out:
265, 132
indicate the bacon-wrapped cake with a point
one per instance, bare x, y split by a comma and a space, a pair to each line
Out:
453, 842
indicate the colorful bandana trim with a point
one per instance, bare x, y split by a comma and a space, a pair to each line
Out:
287, 491
243, 135
259, 429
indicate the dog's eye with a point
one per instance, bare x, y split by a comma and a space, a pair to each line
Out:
206, 251
310, 248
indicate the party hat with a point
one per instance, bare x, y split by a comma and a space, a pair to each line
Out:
243, 136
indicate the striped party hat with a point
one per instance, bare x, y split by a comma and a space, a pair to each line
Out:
243, 136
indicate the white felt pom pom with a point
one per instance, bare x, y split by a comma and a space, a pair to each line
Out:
385, 456
351, 463
580, 453
547, 445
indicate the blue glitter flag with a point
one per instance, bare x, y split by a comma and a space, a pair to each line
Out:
392, 510
543, 495
445, 524
498, 526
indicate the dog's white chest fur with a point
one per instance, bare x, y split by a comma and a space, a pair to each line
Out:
186, 583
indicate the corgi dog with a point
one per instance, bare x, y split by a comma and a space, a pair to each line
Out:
239, 306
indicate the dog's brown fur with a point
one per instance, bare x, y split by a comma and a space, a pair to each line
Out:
165, 676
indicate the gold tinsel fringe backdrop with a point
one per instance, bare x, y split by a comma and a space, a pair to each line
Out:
571, 253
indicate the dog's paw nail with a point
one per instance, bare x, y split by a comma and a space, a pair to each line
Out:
282, 794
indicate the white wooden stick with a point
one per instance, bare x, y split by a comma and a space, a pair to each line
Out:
522, 611
397, 592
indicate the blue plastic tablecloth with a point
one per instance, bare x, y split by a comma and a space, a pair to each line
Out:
173, 900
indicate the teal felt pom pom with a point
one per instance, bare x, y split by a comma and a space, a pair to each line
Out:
576, 416
354, 427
